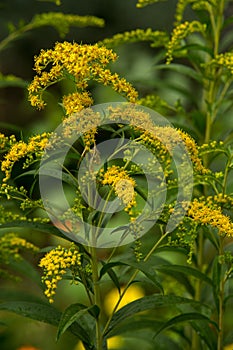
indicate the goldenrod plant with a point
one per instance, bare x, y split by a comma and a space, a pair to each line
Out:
134, 196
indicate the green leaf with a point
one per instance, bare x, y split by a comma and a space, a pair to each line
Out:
42, 227
148, 303
206, 333
184, 318
148, 271
37, 311
73, 313
44, 313
56, 174
181, 69
27, 269
135, 323
11, 294
12, 80
209, 235
187, 270
107, 268
228, 297
141, 193
197, 47
181, 277
8, 126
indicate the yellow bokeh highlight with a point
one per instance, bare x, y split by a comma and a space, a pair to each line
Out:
228, 347
112, 343
133, 293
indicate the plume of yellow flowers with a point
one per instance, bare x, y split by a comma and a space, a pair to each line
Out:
123, 185
154, 102
157, 38
80, 63
210, 214
179, 33
34, 146
10, 247
6, 142
62, 22
196, 5
193, 151
55, 264
224, 60
143, 3
159, 138
11, 244
76, 101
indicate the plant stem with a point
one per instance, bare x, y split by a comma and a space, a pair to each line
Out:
220, 300
133, 277
97, 297
197, 296
216, 19
14, 35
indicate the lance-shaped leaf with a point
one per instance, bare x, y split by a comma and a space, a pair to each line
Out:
74, 313
150, 303
44, 313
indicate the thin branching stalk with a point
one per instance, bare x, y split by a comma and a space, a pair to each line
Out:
132, 278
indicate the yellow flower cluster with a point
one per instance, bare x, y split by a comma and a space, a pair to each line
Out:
3, 140
164, 140
224, 60
180, 8
62, 22
76, 101
154, 102
55, 264
161, 139
143, 3
213, 145
83, 123
122, 183
182, 4
10, 246
220, 199
132, 115
6, 142
159, 147
206, 214
35, 146
158, 38
203, 5
206, 4
179, 33
80, 63
193, 151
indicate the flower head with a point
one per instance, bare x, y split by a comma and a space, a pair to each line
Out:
208, 213
34, 148
80, 63
122, 183
55, 264
180, 32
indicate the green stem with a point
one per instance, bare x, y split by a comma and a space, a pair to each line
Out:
97, 297
220, 300
108, 197
133, 277
216, 18
227, 169
197, 296
5, 42
82, 275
